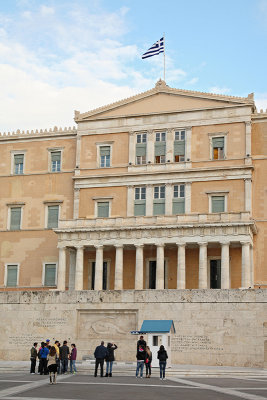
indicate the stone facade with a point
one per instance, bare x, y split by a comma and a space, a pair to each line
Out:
225, 327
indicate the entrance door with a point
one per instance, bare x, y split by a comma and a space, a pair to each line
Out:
215, 274
154, 341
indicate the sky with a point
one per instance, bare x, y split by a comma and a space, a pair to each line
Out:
57, 56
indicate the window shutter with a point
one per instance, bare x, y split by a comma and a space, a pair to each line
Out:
12, 274
139, 207
218, 142
178, 206
179, 148
159, 207
55, 156
50, 275
18, 159
15, 218
52, 217
104, 150
217, 204
160, 148
103, 209
140, 149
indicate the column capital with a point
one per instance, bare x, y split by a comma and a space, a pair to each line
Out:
99, 246
150, 132
118, 246
248, 178
181, 244
168, 184
160, 244
79, 247
139, 245
61, 246
245, 242
131, 133
225, 243
203, 244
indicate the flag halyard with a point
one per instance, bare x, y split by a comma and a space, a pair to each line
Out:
156, 49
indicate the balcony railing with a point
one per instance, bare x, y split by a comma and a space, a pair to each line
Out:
118, 222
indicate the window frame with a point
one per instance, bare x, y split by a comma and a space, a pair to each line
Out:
140, 201
10, 206
49, 204
16, 153
55, 150
107, 199
6, 273
218, 194
216, 135
101, 202
98, 157
43, 273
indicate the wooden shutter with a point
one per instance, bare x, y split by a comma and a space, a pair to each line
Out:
178, 206
217, 204
12, 275
55, 156
15, 218
218, 142
139, 207
50, 275
103, 209
104, 150
140, 149
159, 207
179, 148
52, 216
160, 148
18, 159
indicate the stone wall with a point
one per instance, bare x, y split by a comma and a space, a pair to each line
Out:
213, 327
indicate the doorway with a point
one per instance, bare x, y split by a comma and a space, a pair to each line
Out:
152, 274
215, 274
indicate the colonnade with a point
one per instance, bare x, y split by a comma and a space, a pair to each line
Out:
246, 279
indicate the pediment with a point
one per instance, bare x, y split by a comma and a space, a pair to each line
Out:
163, 99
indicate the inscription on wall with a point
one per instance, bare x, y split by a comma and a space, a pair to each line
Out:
47, 322
193, 343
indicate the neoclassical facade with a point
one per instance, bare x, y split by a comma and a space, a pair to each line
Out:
163, 190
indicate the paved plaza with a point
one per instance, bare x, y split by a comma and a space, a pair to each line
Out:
24, 386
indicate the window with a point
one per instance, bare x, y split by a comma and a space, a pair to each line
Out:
179, 146
159, 200
11, 278
178, 203
15, 218
55, 161
104, 156
52, 216
217, 204
18, 164
103, 209
140, 201
141, 148
160, 148
50, 274
218, 148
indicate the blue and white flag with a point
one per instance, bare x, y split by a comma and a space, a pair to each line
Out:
157, 48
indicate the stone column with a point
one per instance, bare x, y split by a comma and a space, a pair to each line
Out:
203, 271
79, 269
251, 267
169, 145
150, 147
168, 198
248, 194
131, 147
160, 267
76, 203
118, 284
225, 266
149, 200
188, 143
245, 264
248, 138
99, 268
139, 267
187, 206
130, 201
61, 273
72, 269
181, 266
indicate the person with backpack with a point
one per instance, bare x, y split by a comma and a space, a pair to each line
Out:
43, 353
162, 357
110, 358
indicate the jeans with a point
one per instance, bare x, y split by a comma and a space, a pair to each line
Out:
162, 366
33, 365
109, 366
140, 365
43, 366
99, 361
73, 366
148, 368
58, 365
64, 365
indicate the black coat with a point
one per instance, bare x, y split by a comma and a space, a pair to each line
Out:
162, 355
141, 355
110, 351
141, 343
100, 352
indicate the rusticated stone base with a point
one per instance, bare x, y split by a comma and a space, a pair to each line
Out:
213, 327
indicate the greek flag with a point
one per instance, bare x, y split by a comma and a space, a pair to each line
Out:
157, 48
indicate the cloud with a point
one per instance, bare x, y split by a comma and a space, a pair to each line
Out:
261, 101
219, 90
192, 81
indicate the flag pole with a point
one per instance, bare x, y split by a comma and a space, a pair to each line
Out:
164, 53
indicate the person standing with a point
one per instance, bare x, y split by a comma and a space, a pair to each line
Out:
148, 362
141, 342
73, 356
64, 352
110, 358
52, 365
43, 359
162, 357
33, 357
100, 354
57, 346
140, 356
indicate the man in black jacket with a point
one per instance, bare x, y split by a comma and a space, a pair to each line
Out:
33, 357
100, 354
64, 352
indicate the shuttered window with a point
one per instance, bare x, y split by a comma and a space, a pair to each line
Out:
18, 164
159, 200
52, 219
15, 218
12, 275
55, 161
103, 209
218, 148
217, 204
179, 148
178, 203
50, 275
140, 201
104, 156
